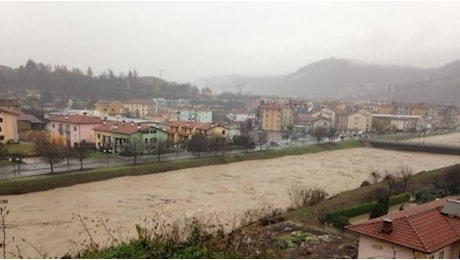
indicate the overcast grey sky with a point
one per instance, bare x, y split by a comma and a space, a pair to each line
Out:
189, 40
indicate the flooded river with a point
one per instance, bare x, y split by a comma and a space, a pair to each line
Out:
45, 219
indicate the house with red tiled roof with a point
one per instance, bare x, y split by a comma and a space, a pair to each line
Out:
181, 131
430, 230
115, 136
74, 128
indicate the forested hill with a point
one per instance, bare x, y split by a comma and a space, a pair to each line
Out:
63, 82
354, 80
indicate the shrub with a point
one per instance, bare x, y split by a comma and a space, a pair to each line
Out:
364, 208
365, 183
304, 197
383, 204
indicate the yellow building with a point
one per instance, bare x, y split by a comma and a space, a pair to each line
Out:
419, 110
140, 107
359, 121
110, 108
8, 126
181, 131
275, 117
270, 117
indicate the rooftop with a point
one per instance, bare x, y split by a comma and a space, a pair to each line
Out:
424, 227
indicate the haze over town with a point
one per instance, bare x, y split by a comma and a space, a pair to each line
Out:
185, 41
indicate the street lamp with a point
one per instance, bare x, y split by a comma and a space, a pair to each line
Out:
16, 160
107, 151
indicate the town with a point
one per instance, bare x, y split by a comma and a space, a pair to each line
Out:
149, 125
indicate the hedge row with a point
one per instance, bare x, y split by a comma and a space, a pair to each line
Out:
336, 217
51, 181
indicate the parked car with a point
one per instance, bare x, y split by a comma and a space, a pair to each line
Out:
273, 143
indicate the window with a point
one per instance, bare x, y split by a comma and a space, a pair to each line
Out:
0, 129
52, 125
1, 119
2, 137
223, 132
98, 136
75, 128
441, 254
146, 140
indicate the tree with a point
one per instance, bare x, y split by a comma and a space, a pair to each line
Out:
81, 151
3, 150
49, 148
217, 143
263, 138
320, 132
331, 134
383, 204
134, 147
68, 152
160, 148
246, 129
89, 72
405, 174
197, 144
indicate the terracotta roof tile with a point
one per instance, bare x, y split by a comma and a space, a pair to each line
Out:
121, 128
77, 119
9, 112
423, 227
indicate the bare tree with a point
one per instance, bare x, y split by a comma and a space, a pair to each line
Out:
49, 148
160, 148
331, 134
405, 174
81, 151
197, 144
375, 177
320, 133
134, 148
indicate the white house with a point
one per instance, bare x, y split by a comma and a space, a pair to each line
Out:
430, 230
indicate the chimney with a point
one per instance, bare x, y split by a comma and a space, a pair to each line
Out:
387, 226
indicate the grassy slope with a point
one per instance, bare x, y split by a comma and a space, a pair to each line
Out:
309, 215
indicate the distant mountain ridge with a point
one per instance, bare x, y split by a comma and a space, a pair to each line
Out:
342, 78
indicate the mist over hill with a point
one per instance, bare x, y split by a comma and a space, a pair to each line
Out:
326, 79
59, 81
341, 78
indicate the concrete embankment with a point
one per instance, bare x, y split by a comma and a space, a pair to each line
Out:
417, 147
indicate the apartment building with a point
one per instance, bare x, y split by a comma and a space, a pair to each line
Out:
139, 108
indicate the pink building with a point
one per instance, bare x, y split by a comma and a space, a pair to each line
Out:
430, 230
74, 128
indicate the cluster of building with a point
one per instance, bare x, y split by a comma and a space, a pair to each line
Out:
351, 119
113, 123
